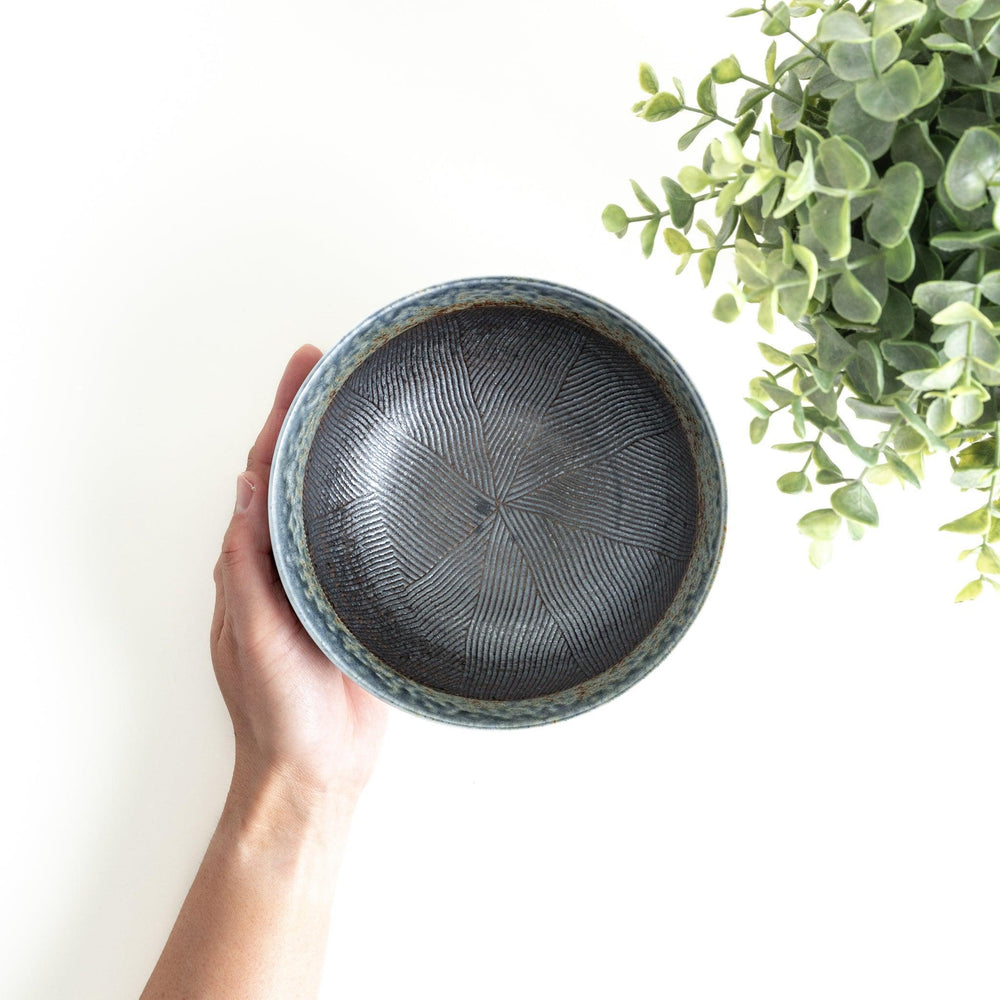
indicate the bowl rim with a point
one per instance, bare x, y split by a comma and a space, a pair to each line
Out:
288, 535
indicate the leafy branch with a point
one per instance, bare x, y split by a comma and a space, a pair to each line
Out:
855, 186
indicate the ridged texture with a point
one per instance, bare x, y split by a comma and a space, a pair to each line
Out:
500, 503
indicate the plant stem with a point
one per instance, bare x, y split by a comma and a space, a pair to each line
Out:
798, 38
979, 65
809, 457
770, 88
714, 114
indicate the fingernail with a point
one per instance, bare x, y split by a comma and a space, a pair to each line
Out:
244, 493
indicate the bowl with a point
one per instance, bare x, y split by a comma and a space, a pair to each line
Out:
497, 502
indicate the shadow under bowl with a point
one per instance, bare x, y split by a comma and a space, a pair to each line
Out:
497, 502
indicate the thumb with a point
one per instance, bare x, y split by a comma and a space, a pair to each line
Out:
248, 571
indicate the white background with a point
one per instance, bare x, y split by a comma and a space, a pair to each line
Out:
801, 802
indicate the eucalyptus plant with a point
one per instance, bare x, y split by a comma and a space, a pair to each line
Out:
856, 184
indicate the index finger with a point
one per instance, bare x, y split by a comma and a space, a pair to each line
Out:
299, 366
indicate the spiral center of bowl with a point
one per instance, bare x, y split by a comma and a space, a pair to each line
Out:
500, 503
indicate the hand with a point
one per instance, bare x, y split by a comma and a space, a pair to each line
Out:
295, 715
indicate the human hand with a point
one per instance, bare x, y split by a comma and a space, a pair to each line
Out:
295, 715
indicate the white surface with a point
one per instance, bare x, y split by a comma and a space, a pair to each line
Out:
800, 803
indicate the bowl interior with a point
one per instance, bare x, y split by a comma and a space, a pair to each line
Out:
503, 508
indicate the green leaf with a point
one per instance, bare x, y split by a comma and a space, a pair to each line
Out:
855, 502
943, 377
979, 455
867, 455
975, 523
891, 96
744, 12
861, 60
758, 407
765, 314
823, 460
976, 342
807, 261
960, 9
615, 220
869, 366
706, 95
900, 261
676, 241
692, 133
901, 469
987, 561
794, 482
648, 236
726, 70
679, 203
769, 59
966, 408
896, 203
827, 477
854, 301
931, 80
773, 356
745, 126
706, 265
820, 553
912, 144
788, 104
726, 308
798, 418
970, 591
891, 16
842, 26
981, 239
911, 417
847, 117
751, 99
855, 530
830, 219
908, 355
661, 106
868, 411
832, 350
880, 475
842, 166
692, 179
989, 285
647, 79
795, 447
972, 168
778, 20
644, 199
758, 428
939, 418
934, 296
821, 524
941, 42
960, 312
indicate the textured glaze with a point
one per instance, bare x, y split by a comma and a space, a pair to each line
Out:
497, 502
500, 503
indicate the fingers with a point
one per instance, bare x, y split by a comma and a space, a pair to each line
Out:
247, 573
299, 366
247, 569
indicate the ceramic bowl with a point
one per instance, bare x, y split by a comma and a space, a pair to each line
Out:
497, 502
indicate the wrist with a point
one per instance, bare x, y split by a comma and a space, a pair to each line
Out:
271, 804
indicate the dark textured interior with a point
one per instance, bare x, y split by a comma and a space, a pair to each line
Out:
500, 503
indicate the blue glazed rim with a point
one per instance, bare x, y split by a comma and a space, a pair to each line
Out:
288, 537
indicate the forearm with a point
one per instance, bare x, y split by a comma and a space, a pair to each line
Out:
254, 923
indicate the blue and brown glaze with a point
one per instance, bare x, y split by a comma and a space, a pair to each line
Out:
497, 502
